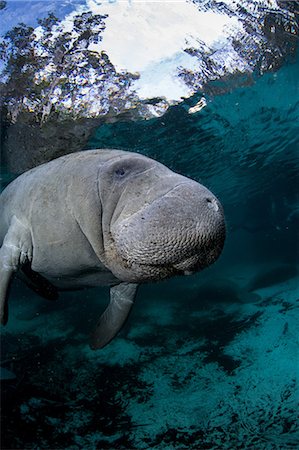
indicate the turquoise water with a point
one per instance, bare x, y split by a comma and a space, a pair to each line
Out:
204, 362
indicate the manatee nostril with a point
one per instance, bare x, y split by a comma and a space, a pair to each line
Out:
212, 203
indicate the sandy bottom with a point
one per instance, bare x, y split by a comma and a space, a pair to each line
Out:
205, 362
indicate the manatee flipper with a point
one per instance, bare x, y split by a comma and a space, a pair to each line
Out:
5, 278
38, 283
15, 251
113, 318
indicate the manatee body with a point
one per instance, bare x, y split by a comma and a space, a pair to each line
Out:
105, 217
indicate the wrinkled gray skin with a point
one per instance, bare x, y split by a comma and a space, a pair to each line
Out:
105, 217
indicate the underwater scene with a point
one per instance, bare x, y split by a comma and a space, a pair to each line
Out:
206, 361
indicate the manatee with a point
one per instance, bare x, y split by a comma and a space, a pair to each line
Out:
105, 217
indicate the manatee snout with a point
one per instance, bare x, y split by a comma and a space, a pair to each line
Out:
180, 232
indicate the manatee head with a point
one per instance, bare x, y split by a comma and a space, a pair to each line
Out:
156, 223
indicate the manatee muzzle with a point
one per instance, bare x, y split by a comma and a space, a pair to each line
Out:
184, 229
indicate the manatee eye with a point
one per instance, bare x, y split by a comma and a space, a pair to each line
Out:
120, 172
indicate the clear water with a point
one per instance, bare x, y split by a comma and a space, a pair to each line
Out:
204, 362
